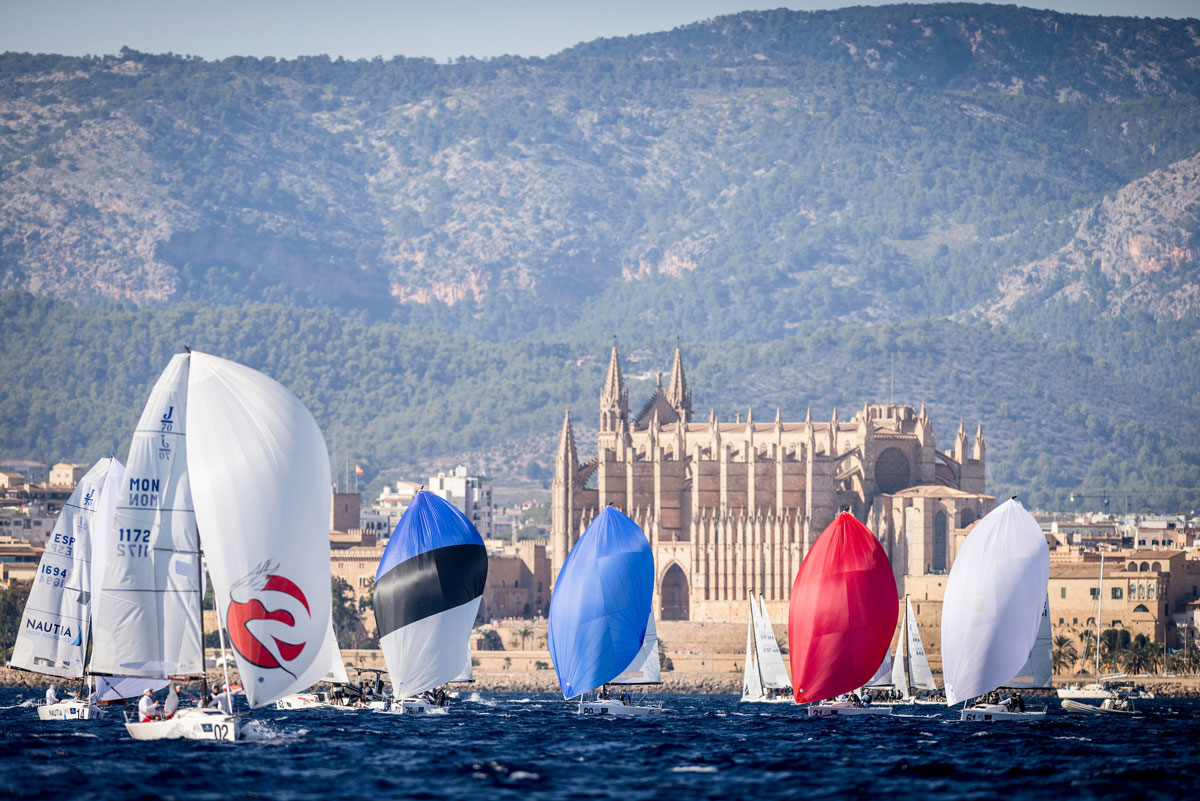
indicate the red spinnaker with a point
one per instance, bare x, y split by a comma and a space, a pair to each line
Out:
843, 612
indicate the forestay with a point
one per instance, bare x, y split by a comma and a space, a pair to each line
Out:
994, 599
148, 601
600, 604
53, 634
260, 481
427, 593
1037, 670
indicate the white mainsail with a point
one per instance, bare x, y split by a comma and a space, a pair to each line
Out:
259, 473
148, 601
899, 672
645, 667
994, 599
53, 634
752, 688
1037, 670
770, 660
919, 674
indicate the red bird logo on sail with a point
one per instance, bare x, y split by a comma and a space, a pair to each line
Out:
244, 608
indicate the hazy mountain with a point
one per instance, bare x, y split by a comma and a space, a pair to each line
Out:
753, 184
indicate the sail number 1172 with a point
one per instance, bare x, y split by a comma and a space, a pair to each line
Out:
133, 542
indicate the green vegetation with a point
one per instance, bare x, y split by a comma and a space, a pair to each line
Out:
12, 607
805, 199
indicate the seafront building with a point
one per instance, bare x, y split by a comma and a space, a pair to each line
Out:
731, 507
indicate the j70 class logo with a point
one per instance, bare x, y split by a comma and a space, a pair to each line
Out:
261, 645
89, 499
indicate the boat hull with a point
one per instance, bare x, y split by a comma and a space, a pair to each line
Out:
764, 700
1090, 691
310, 701
615, 709
994, 712
845, 710
69, 710
187, 724
1087, 709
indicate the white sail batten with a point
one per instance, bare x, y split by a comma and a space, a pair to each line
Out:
994, 599
53, 634
148, 617
1038, 668
919, 674
770, 660
645, 667
899, 668
260, 480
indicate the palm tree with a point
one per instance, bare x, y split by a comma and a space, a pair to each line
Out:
1139, 657
524, 633
1064, 654
1088, 639
1112, 643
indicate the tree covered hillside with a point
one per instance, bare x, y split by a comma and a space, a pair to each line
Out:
1003, 201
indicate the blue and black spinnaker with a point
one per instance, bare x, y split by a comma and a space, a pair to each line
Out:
601, 604
427, 593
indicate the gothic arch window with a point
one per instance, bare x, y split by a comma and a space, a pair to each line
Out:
1133, 566
1150, 591
1141, 590
1156, 567
966, 518
1140, 608
674, 594
1144, 567
1132, 589
940, 525
892, 471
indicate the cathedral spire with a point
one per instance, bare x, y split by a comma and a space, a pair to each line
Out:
980, 449
960, 444
566, 455
678, 394
833, 433
614, 400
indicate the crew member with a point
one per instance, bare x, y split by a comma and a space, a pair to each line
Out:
147, 707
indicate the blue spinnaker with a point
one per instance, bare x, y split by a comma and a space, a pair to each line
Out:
600, 604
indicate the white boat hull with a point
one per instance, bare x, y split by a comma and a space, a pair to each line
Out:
1091, 692
844, 710
313, 701
69, 710
783, 699
991, 712
188, 724
616, 709
409, 706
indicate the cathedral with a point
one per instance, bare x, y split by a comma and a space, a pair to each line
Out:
731, 507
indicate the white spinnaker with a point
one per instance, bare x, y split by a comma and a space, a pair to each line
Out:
468, 671
993, 602
260, 481
752, 688
420, 656
899, 668
918, 664
645, 667
1038, 668
53, 634
770, 660
148, 601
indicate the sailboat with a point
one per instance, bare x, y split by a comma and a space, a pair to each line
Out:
231, 463
1096, 689
841, 618
646, 668
910, 669
600, 611
324, 699
427, 593
56, 624
994, 605
764, 677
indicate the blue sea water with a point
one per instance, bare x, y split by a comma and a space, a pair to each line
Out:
507, 746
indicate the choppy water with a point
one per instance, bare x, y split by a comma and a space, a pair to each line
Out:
534, 746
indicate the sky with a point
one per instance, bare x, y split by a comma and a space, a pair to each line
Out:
354, 29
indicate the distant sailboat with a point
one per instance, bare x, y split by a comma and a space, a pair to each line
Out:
910, 668
254, 465
842, 615
427, 592
994, 606
764, 677
600, 611
57, 622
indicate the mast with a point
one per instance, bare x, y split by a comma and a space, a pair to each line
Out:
1099, 607
200, 603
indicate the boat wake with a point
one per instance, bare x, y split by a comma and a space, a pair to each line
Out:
262, 731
